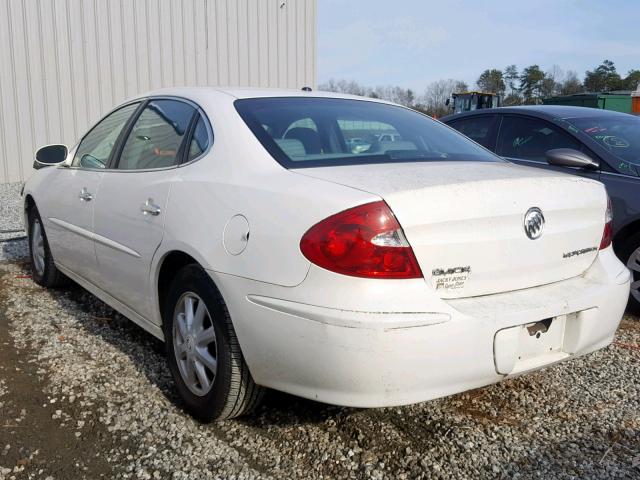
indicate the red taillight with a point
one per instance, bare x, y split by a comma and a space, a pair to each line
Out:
607, 234
364, 241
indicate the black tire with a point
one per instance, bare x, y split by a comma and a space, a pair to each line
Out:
47, 276
629, 248
233, 392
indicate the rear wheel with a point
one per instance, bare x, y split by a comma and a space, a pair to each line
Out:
630, 255
203, 352
43, 268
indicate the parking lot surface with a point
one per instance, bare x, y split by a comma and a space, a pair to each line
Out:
85, 393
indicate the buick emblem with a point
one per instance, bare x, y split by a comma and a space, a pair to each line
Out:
533, 223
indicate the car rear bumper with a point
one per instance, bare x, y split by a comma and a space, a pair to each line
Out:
392, 356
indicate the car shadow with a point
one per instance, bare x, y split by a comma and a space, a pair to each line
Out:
147, 354
13, 248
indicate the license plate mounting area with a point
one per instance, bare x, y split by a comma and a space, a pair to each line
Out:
531, 345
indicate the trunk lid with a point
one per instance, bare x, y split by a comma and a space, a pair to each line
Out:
466, 221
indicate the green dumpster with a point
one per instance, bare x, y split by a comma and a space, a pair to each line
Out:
606, 101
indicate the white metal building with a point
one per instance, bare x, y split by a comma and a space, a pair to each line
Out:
64, 63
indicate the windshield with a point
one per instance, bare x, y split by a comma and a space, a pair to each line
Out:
311, 132
619, 134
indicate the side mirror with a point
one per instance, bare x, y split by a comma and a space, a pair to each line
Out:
447, 102
568, 157
50, 155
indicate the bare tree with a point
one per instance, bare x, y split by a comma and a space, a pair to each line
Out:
571, 84
437, 93
403, 96
344, 86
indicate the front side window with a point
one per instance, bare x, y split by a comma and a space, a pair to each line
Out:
330, 131
619, 134
478, 129
156, 136
95, 148
530, 138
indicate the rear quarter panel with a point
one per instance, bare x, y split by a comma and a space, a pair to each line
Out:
279, 208
239, 177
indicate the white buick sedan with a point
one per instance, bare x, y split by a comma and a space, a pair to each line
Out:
345, 250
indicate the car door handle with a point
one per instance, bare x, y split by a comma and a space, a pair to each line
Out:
150, 208
85, 196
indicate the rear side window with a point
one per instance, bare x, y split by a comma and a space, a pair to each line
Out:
200, 140
156, 138
479, 129
530, 138
309, 132
95, 148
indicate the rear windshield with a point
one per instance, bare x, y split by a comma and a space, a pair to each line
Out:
619, 134
311, 132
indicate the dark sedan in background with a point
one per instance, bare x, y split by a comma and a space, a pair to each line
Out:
593, 143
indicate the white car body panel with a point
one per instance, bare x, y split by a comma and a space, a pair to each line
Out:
331, 337
240, 178
125, 265
469, 214
388, 345
68, 221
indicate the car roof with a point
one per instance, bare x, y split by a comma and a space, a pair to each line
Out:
249, 92
543, 111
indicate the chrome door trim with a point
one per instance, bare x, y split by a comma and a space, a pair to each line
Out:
115, 245
72, 228
513, 159
94, 236
620, 175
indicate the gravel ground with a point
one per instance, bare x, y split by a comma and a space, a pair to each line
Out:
86, 394
10, 212
10, 219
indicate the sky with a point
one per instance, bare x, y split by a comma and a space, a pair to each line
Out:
411, 43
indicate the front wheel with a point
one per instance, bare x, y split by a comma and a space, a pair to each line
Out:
203, 352
43, 269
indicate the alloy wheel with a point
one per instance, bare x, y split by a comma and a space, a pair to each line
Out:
194, 344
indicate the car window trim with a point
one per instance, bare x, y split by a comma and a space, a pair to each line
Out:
207, 123
184, 157
183, 153
94, 126
179, 154
617, 174
498, 132
114, 159
200, 110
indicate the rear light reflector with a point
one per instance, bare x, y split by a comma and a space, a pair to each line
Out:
364, 241
607, 234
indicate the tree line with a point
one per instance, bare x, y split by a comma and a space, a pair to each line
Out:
516, 87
